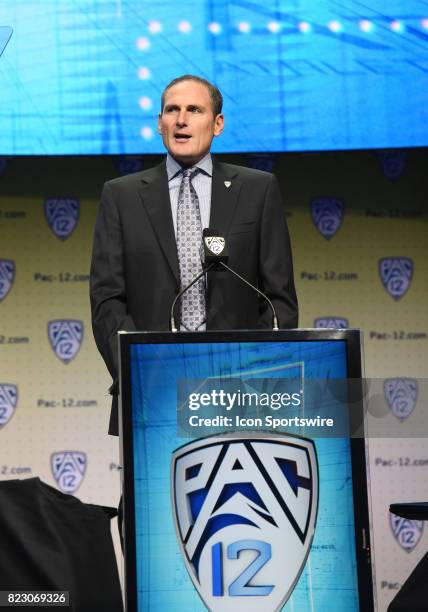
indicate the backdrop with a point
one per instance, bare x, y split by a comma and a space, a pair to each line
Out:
359, 235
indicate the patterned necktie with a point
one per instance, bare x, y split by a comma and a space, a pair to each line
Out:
189, 237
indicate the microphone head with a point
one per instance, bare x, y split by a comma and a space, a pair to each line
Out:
214, 245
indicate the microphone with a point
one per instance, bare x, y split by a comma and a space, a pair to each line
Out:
214, 249
215, 255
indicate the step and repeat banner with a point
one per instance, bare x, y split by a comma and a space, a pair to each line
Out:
359, 234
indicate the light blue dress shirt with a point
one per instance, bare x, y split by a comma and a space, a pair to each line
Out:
201, 182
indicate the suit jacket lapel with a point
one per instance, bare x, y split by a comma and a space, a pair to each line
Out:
155, 196
224, 197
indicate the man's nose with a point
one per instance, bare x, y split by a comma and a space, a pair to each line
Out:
182, 118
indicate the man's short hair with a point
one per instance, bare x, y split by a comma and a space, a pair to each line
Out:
215, 93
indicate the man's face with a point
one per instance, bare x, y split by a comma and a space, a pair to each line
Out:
187, 123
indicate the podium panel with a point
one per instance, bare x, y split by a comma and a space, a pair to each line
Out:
234, 499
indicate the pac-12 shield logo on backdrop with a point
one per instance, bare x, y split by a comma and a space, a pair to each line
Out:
327, 215
8, 401
128, 164
401, 395
262, 161
396, 275
7, 276
406, 532
331, 323
245, 508
68, 469
3, 160
62, 215
393, 163
65, 337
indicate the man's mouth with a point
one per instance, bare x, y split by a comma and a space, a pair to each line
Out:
182, 137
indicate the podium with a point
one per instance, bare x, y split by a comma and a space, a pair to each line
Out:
244, 481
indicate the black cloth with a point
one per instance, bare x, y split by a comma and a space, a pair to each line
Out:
413, 595
135, 272
52, 541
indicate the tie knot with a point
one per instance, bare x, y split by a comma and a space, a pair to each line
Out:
189, 173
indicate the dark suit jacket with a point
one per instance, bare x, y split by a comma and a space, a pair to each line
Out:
135, 272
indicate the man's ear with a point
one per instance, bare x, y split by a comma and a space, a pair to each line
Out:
218, 124
160, 123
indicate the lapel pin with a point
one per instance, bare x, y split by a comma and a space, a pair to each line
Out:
227, 183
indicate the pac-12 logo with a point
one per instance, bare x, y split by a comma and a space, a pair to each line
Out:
245, 508
7, 276
68, 469
65, 337
3, 160
128, 164
331, 323
8, 401
215, 244
401, 395
262, 161
327, 215
393, 163
62, 215
406, 532
396, 275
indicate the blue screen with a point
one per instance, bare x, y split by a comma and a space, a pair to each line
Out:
85, 76
328, 582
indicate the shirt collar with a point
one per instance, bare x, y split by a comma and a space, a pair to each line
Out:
173, 168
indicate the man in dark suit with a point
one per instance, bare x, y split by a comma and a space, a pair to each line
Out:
137, 269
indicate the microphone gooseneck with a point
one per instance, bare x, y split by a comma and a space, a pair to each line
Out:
274, 317
178, 296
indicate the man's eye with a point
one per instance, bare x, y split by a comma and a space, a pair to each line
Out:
195, 109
